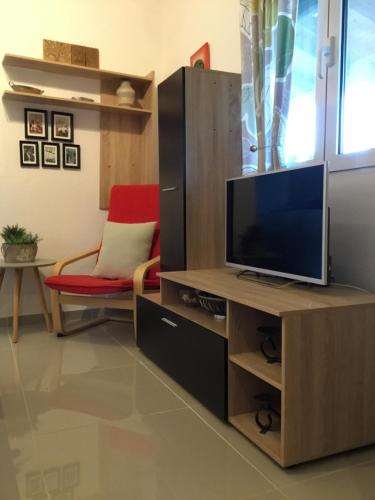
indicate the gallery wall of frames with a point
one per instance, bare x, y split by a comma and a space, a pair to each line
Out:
49, 141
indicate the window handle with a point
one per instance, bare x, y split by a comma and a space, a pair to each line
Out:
326, 57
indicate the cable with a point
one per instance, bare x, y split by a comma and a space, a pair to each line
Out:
347, 285
246, 274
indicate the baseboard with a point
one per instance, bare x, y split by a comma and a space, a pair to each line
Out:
33, 319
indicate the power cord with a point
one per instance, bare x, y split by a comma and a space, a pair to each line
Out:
248, 276
347, 285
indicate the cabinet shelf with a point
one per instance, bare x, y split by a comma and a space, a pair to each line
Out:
72, 69
269, 442
62, 101
254, 363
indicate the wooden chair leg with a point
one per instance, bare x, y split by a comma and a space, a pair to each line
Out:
2, 272
57, 320
42, 298
16, 303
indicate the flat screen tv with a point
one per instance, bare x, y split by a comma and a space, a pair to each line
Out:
277, 223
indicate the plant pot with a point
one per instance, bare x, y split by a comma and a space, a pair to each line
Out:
19, 253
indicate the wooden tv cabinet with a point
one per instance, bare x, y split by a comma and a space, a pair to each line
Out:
324, 387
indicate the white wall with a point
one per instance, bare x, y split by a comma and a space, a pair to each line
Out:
62, 206
352, 204
186, 26
134, 36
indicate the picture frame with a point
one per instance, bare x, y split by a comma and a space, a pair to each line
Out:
71, 475
201, 58
29, 154
34, 484
50, 155
71, 156
63, 495
52, 478
62, 126
36, 123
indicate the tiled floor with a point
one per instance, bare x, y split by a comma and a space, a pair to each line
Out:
90, 418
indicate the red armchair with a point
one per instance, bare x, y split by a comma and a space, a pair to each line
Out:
128, 204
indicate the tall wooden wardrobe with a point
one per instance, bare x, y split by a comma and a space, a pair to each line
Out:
199, 147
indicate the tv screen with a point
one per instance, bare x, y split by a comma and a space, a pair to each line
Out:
276, 223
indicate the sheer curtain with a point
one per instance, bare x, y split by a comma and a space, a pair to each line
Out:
267, 45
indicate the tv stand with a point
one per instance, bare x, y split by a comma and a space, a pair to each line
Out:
324, 386
264, 279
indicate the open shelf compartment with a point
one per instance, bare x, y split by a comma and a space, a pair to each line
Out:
245, 342
243, 387
171, 299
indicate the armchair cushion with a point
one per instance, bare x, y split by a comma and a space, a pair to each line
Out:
90, 285
124, 247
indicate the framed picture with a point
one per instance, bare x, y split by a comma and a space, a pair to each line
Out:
63, 495
71, 475
36, 125
52, 479
50, 155
34, 484
29, 154
71, 156
62, 126
201, 58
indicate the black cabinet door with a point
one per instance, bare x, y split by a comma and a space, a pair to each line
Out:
172, 157
192, 355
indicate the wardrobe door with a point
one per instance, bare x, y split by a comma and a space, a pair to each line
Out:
213, 154
171, 102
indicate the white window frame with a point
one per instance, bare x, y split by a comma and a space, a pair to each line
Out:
337, 161
328, 94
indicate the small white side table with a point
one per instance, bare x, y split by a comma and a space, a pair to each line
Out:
18, 268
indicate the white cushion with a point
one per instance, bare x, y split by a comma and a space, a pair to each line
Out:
124, 247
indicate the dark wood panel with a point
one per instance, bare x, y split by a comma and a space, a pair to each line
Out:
193, 356
171, 101
171, 112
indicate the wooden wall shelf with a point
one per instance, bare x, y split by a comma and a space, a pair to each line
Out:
127, 152
71, 103
72, 69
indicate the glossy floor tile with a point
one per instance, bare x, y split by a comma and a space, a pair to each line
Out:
4, 338
163, 456
89, 417
354, 483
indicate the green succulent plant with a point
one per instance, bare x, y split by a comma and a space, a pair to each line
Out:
16, 235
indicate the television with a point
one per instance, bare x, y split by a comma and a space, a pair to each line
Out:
277, 223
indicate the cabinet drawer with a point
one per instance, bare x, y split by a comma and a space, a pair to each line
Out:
192, 355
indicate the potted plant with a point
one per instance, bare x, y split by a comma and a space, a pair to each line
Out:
19, 245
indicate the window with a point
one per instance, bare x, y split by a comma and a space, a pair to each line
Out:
333, 85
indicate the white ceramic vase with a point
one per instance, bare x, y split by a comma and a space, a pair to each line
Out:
126, 94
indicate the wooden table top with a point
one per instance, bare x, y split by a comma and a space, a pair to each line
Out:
21, 265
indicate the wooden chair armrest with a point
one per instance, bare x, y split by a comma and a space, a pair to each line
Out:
140, 273
59, 266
